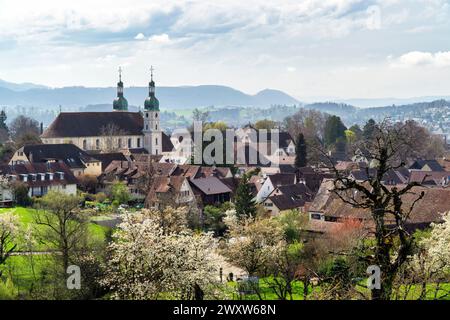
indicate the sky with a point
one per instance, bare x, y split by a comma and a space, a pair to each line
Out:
307, 48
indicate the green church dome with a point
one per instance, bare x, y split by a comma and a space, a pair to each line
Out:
151, 103
120, 104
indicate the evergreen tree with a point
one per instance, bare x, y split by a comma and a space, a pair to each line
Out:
245, 205
369, 129
334, 130
300, 152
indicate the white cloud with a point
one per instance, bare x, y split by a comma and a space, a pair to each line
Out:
291, 69
139, 36
419, 58
160, 38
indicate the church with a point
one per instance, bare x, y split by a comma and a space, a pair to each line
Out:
118, 130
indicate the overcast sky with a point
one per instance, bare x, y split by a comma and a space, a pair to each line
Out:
308, 48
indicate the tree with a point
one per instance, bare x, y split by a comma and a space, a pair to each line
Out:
20, 193
431, 263
64, 225
213, 220
300, 152
369, 129
199, 115
244, 199
120, 193
251, 243
25, 131
265, 124
393, 243
111, 134
4, 130
147, 263
9, 229
334, 131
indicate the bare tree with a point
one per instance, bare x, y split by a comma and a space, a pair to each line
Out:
112, 137
393, 243
63, 225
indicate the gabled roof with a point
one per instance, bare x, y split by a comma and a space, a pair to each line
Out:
107, 158
390, 177
297, 191
281, 179
428, 177
70, 154
432, 164
91, 124
284, 202
167, 145
210, 185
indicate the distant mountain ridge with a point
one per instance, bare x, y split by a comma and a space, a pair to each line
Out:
170, 97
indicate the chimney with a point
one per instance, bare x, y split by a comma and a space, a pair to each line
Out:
41, 128
30, 157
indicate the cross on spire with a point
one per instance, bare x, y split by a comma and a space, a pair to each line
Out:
120, 73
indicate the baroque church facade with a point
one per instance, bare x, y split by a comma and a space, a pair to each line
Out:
118, 130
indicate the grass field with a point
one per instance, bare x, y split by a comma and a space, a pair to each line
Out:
23, 273
26, 220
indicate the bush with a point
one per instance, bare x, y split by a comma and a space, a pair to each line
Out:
20, 193
100, 197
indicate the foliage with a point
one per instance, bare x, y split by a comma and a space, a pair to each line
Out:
64, 225
9, 229
301, 155
265, 124
251, 242
146, 262
120, 193
244, 199
20, 193
213, 220
334, 131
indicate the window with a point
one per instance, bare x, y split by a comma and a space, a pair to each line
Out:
84, 144
138, 142
156, 141
146, 127
315, 216
97, 144
146, 114
156, 115
129, 143
119, 143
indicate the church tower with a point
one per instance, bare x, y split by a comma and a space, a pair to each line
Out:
152, 130
120, 103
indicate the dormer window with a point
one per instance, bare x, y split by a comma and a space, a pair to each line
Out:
24, 177
50, 176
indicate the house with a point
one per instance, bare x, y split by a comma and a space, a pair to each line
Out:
175, 191
274, 181
328, 207
288, 197
426, 165
107, 158
40, 178
211, 190
430, 178
391, 177
79, 162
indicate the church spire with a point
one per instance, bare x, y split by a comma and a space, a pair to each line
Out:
151, 103
120, 103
